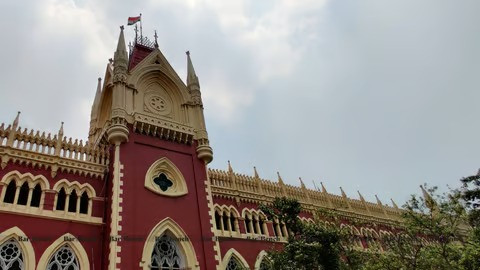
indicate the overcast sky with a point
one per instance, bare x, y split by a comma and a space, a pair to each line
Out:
377, 96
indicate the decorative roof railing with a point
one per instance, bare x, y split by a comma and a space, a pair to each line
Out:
55, 152
240, 187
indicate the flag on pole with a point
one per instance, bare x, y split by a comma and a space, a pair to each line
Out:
134, 20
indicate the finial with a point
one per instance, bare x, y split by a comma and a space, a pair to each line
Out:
121, 28
343, 193
156, 39
230, 167
324, 190
17, 118
361, 197
191, 75
378, 200
280, 180
60, 132
393, 203
99, 79
255, 173
428, 199
301, 183
315, 185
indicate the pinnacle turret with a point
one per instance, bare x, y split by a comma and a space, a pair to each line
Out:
95, 105
191, 75
120, 60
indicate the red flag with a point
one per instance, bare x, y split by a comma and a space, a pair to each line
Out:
133, 20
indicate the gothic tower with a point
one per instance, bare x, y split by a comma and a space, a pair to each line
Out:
159, 194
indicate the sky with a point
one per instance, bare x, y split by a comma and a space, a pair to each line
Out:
376, 96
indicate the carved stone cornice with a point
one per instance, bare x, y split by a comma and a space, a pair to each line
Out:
163, 128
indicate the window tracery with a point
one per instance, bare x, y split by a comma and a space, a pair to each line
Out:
64, 259
255, 222
73, 197
11, 256
226, 220
164, 178
234, 264
166, 255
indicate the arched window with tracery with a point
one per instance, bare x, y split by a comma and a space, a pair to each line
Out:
11, 256
166, 254
234, 264
265, 264
63, 259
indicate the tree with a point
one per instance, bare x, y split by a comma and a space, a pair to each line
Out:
309, 246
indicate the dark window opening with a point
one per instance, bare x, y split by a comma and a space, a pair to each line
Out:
36, 195
225, 221
84, 203
72, 202
23, 195
261, 226
61, 197
247, 225
232, 223
217, 221
10, 192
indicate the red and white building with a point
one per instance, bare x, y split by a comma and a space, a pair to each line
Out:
139, 194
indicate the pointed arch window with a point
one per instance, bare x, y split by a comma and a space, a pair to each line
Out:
234, 264
218, 221
36, 196
64, 259
72, 202
10, 192
11, 256
84, 200
61, 197
166, 254
23, 195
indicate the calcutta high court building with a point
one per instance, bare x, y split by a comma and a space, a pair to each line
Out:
139, 194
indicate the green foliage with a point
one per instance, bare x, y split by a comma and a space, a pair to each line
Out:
310, 246
438, 232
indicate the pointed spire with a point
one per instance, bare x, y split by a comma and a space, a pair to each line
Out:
120, 60
280, 180
121, 41
429, 201
97, 99
255, 173
230, 167
378, 200
60, 131
315, 185
191, 75
301, 183
324, 190
343, 193
394, 204
361, 197
15, 122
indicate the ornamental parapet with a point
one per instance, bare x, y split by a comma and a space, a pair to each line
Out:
253, 189
53, 152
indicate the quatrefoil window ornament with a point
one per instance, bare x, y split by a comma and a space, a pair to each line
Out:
164, 178
163, 182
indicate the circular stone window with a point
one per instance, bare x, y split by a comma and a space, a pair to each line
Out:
158, 104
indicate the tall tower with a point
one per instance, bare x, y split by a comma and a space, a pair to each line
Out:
159, 199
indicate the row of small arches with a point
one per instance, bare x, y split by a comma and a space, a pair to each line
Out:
28, 190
